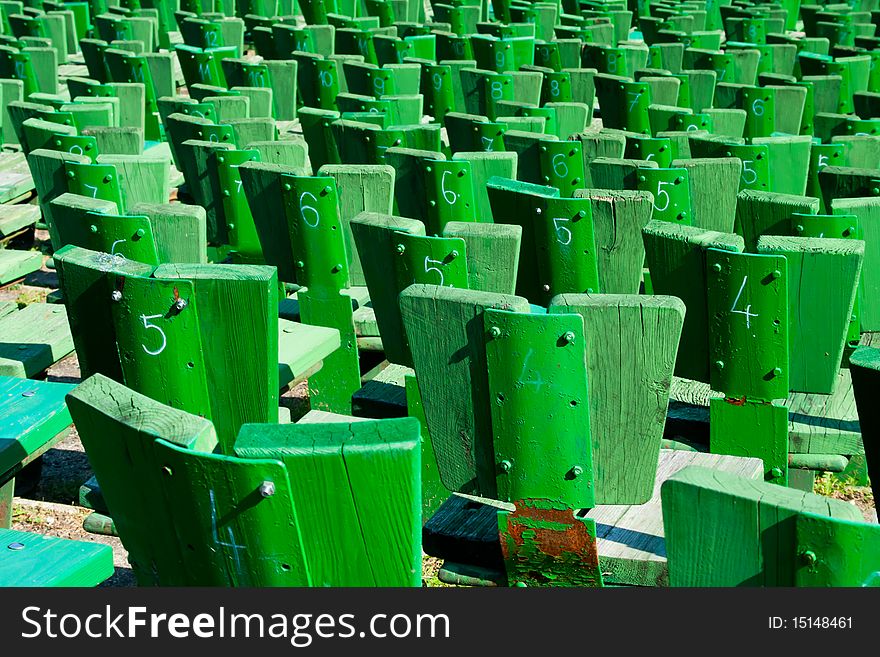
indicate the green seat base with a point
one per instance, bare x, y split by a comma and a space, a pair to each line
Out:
36, 560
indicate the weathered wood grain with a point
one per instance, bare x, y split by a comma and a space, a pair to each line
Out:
618, 219
631, 348
724, 530
676, 257
822, 279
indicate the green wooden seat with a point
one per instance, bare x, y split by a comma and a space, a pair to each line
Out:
231, 389
823, 275
227, 536
34, 419
309, 248
559, 251
723, 530
676, 257
34, 560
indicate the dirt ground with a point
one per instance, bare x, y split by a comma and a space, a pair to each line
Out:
52, 506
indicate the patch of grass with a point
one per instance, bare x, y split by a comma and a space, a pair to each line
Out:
27, 297
830, 485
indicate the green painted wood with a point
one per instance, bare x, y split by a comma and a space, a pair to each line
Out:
434, 493
365, 475
15, 218
302, 348
748, 324
724, 530
34, 414
239, 339
378, 234
631, 344
846, 182
612, 173
50, 181
445, 334
15, 265
618, 219
241, 536
156, 322
485, 166
866, 212
205, 187
492, 253
118, 428
34, 338
713, 184
180, 231
146, 462
262, 186
763, 213
142, 180
48, 561
751, 428
361, 188
85, 278
240, 227
291, 152
676, 257
845, 551
411, 182
823, 275
671, 191
537, 378
318, 244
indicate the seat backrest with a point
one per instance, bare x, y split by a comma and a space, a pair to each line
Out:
494, 377
725, 530
823, 276
366, 476
676, 257
558, 252
186, 516
631, 344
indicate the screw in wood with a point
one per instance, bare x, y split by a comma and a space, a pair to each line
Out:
267, 489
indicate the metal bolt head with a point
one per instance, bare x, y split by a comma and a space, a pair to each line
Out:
180, 304
495, 332
505, 465
140, 232
453, 255
777, 371
93, 228
116, 295
808, 557
799, 228
400, 248
577, 471
337, 268
267, 489
776, 473
546, 288
775, 273
16, 546
716, 267
300, 264
568, 337
719, 364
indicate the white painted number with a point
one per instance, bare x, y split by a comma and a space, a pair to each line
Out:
747, 169
436, 269
758, 107
304, 209
448, 195
147, 325
560, 168
748, 311
662, 192
563, 234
